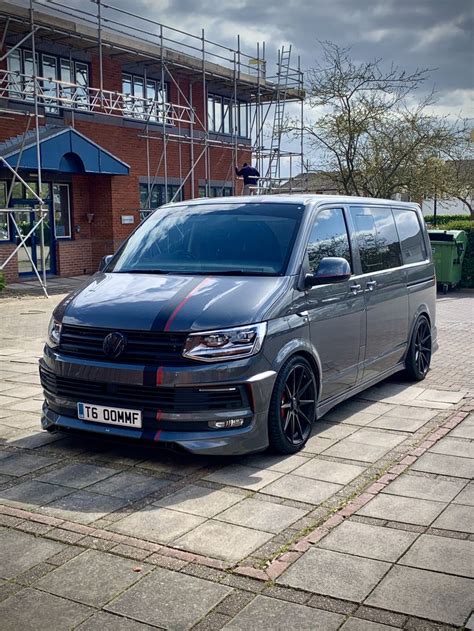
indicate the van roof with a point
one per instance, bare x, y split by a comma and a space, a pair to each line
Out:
296, 198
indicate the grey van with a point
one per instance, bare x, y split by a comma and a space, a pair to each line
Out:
225, 326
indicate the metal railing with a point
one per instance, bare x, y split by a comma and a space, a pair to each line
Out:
54, 94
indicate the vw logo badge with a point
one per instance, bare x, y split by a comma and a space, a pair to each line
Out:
114, 344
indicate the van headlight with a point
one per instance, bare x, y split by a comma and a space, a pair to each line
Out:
236, 343
54, 332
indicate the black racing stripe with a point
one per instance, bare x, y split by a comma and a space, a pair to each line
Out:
149, 376
167, 310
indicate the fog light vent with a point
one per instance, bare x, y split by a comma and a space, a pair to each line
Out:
227, 424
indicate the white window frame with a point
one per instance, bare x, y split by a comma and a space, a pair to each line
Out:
53, 184
232, 114
8, 237
244, 106
131, 109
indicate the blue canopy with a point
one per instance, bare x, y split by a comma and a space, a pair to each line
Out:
65, 150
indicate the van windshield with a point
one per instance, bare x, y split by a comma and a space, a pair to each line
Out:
228, 238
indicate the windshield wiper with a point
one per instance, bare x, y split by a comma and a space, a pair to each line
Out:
239, 272
226, 272
142, 271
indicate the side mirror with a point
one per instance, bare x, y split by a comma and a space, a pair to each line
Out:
331, 269
104, 261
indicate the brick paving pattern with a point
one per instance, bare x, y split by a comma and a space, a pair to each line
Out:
369, 527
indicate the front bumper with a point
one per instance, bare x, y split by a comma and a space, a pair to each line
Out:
188, 429
220, 443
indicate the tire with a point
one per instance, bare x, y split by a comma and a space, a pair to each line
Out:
290, 418
418, 359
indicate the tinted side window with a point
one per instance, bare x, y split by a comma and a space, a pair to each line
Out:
377, 237
328, 237
411, 237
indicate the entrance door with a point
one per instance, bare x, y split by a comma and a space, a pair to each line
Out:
26, 219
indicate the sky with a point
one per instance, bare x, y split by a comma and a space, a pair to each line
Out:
434, 34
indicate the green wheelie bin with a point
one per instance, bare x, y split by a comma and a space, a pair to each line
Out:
449, 248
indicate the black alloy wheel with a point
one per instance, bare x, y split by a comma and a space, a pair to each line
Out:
419, 353
293, 406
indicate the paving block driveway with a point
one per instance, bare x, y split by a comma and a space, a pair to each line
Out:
96, 534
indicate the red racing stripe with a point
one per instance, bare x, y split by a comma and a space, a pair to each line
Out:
159, 376
192, 293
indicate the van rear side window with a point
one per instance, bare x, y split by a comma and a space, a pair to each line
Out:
377, 237
411, 237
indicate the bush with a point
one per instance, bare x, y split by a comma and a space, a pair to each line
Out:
2, 281
466, 224
441, 220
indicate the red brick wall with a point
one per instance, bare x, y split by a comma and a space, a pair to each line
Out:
11, 270
109, 197
111, 70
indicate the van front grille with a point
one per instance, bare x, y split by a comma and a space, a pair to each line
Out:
151, 398
147, 347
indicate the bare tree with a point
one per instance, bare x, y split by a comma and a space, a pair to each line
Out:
368, 136
459, 167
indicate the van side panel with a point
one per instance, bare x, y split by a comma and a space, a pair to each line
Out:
421, 285
387, 320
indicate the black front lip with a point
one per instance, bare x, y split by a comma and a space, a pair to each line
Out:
248, 439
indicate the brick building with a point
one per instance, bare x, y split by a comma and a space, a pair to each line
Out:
114, 123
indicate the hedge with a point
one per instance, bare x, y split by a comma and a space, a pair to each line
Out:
441, 220
466, 224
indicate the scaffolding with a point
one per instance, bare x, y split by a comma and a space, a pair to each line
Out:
102, 29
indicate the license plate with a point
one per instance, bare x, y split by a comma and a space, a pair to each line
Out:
108, 415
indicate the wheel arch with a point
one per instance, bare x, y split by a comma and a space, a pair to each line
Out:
304, 349
421, 311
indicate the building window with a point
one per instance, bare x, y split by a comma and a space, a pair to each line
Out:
21, 192
216, 191
77, 73
19, 195
81, 74
62, 211
144, 99
29, 71
158, 195
226, 117
244, 129
4, 223
54, 71
50, 87
14, 66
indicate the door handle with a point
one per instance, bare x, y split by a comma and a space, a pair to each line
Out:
355, 288
371, 285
